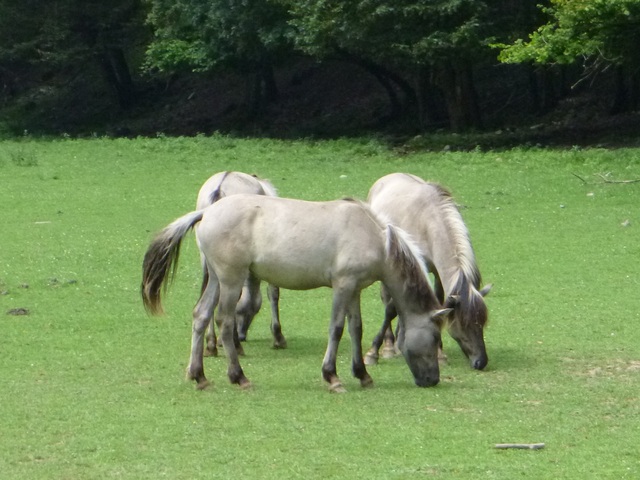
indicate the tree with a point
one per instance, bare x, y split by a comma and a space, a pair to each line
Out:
66, 35
600, 33
245, 36
433, 43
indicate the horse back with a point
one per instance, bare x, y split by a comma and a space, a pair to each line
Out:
294, 244
223, 184
428, 213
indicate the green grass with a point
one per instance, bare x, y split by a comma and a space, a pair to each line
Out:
94, 388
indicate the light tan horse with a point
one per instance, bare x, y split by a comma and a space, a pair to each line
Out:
428, 213
216, 187
301, 245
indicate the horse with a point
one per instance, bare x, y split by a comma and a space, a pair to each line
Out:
216, 187
428, 213
301, 245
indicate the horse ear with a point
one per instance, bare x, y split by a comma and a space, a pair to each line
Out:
486, 289
452, 301
441, 315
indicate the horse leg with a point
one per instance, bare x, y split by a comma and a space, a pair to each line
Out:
273, 293
212, 349
354, 317
226, 322
336, 328
385, 334
438, 289
202, 314
248, 306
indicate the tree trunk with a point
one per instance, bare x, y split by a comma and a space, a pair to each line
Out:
389, 81
116, 70
431, 105
456, 81
543, 91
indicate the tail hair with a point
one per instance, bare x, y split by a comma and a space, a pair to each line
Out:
161, 260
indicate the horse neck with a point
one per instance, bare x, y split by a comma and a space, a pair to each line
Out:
405, 273
449, 250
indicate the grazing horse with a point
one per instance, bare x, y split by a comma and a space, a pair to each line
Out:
301, 245
219, 186
428, 213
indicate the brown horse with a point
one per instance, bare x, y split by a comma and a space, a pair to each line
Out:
301, 245
428, 213
216, 187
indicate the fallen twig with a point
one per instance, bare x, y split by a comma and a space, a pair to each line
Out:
606, 180
524, 446
579, 177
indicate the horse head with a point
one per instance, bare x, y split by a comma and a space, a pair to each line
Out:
466, 324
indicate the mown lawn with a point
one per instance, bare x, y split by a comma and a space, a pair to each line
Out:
94, 388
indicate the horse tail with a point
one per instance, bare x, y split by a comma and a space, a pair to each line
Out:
217, 193
161, 260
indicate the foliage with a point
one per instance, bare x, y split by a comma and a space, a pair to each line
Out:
407, 33
93, 388
603, 30
66, 33
198, 35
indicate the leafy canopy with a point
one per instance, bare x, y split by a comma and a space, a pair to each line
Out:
608, 30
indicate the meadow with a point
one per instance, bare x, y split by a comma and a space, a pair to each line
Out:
92, 387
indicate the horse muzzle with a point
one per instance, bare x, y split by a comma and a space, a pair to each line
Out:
427, 382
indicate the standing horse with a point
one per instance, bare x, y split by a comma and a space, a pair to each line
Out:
219, 186
301, 245
428, 213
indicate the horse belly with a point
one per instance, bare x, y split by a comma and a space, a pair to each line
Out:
292, 276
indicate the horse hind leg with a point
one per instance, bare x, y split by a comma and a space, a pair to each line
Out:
202, 314
226, 322
248, 306
211, 349
273, 293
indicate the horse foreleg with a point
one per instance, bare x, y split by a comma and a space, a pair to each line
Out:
355, 332
385, 334
438, 289
202, 314
336, 328
273, 293
226, 322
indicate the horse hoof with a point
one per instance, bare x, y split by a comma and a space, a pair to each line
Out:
211, 352
366, 382
280, 344
388, 352
202, 384
371, 359
245, 384
337, 388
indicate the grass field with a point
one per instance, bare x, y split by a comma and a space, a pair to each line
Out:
94, 388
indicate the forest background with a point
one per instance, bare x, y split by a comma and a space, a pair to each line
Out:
509, 71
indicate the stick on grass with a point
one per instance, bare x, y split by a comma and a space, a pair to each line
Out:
523, 446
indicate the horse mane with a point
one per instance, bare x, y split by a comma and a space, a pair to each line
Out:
407, 260
467, 278
466, 257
